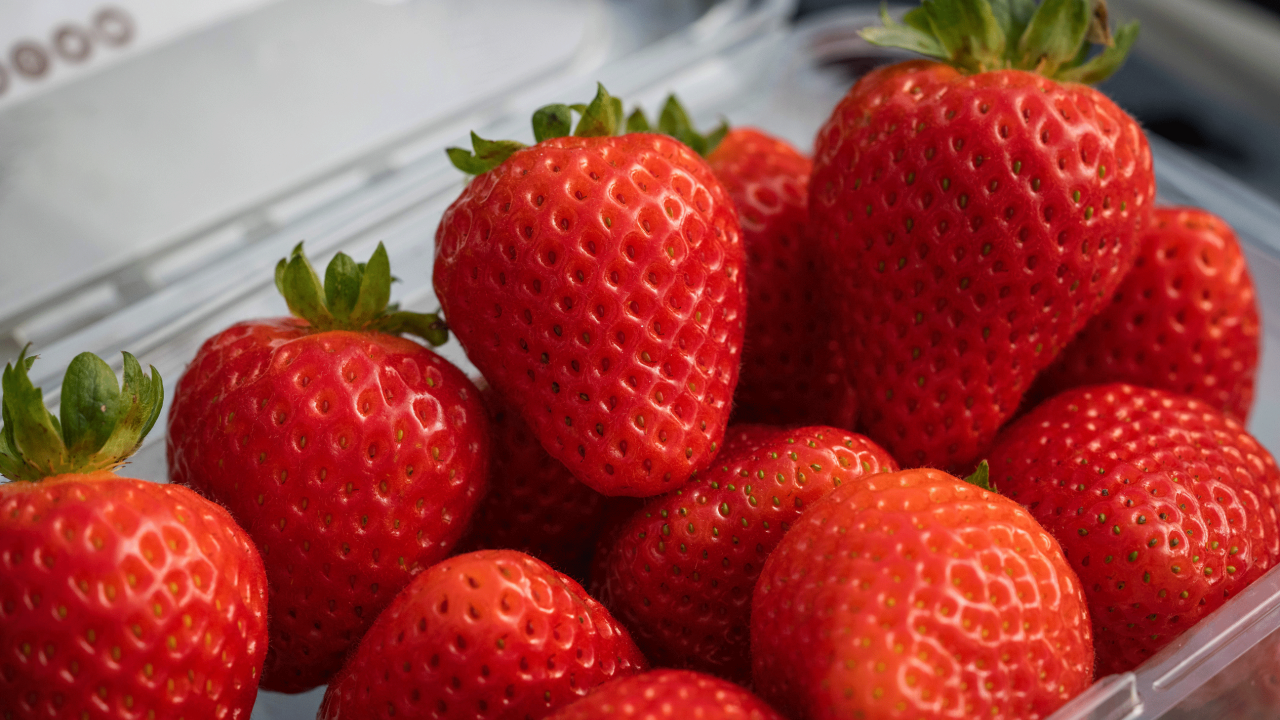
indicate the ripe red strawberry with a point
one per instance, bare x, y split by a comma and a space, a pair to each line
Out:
974, 221
793, 371
490, 635
1185, 319
119, 599
596, 281
680, 571
353, 457
660, 694
1164, 506
534, 504
915, 594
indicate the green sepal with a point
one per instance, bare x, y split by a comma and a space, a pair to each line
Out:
1053, 39
982, 477
102, 424
552, 121
637, 122
674, 121
354, 296
602, 118
485, 156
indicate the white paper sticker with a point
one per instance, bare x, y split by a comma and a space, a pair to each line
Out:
45, 43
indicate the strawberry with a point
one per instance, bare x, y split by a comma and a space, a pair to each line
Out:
1165, 507
915, 594
490, 635
668, 694
792, 369
353, 457
119, 599
974, 215
534, 505
680, 571
596, 281
1185, 319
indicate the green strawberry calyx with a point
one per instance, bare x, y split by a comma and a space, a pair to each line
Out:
982, 477
354, 296
99, 425
602, 117
1053, 39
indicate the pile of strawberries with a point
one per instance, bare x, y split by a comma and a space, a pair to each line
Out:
969, 278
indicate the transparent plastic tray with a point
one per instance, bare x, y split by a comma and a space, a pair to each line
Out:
744, 62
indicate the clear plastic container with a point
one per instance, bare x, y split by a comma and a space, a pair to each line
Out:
744, 61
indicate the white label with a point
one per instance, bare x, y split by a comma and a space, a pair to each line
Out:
44, 43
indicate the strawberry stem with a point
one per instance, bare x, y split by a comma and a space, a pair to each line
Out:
354, 296
602, 117
982, 477
1053, 39
102, 423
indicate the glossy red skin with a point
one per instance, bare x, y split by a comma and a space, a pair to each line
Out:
1185, 319
618, 260
673, 694
353, 460
534, 504
793, 370
961, 262
679, 573
1120, 471
113, 588
916, 594
490, 635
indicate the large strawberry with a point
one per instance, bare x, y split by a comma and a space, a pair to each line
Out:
680, 571
490, 635
352, 456
975, 214
119, 599
596, 281
793, 370
674, 694
1165, 507
534, 505
1185, 319
915, 594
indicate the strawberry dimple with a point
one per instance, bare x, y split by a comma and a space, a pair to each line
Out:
1164, 506
494, 634
974, 224
353, 460
915, 593
122, 598
668, 694
1185, 319
679, 572
597, 283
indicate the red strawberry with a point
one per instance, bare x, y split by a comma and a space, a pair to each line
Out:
353, 457
596, 281
1185, 319
1164, 506
534, 505
792, 369
668, 694
679, 573
119, 599
974, 221
915, 594
490, 635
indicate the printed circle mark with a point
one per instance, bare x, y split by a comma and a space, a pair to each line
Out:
29, 59
72, 44
114, 26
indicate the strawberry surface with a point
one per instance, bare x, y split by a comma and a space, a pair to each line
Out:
1185, 319
680, 571
493, 634
792, 367
668, 694
126, 599
973, 224
534, 504
916, 594
1165, 507
597, 283
354, 460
